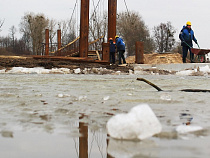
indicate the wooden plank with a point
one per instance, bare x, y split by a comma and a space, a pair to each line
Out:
98, 55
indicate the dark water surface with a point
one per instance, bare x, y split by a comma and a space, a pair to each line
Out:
64, 116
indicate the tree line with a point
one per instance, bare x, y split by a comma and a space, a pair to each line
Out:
130, 26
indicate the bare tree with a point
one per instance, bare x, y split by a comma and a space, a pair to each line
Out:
13, 31
52, 33
33, 27
132, 28
68, 30
98, 28
164, 37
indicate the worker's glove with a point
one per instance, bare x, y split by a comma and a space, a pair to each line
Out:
182, 42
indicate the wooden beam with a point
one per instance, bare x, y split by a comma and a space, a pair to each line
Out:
84, 28
112, 16
59, 41
47, 42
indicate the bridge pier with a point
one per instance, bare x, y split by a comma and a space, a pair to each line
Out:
112, 18
47, 42
59, 41
84, 28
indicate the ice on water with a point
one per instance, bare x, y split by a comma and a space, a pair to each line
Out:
139, 123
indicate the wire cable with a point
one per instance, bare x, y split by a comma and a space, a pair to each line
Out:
126, 7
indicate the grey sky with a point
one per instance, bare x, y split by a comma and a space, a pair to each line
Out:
153, 12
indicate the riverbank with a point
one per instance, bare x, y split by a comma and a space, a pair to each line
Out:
162, 64
8, 62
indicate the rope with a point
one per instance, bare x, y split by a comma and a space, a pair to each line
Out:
75, 41
73, 11
126, 7
95, 9
67, 45
96, 40
71, 17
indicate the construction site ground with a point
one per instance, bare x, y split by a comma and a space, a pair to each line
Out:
29, 62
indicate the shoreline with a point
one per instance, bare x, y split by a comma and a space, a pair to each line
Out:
29, 65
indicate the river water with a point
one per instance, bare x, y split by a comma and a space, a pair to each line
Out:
57, 115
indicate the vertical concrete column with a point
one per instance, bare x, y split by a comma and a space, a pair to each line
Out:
46, 41
84, 28
112, 18
59, 41
139, 52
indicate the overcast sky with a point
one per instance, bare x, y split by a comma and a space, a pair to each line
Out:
153, 12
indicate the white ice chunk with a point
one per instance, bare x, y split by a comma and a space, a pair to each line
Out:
60, 95
63, 95
77, 71
166, 97
186, 129
82, 98
185, 72
205, 69
106, 98
139, 123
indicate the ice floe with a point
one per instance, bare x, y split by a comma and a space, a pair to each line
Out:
188, 128
139, 123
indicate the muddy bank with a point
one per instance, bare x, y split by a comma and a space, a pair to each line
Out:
28, 62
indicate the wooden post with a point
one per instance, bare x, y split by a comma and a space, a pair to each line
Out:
84, 28
107, 142
83, 140
112, 16
47, 42
139, 52
59, 41
105, 52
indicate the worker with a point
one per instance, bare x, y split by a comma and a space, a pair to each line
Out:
187, 36
112, 48
121, 49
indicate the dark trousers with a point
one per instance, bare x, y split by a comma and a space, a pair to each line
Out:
121, 56
185, 51
112, 57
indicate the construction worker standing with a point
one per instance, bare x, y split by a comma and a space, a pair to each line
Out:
186, 36
112, 51
121, 49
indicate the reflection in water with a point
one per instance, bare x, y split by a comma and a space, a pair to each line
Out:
129, 149
83, 141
